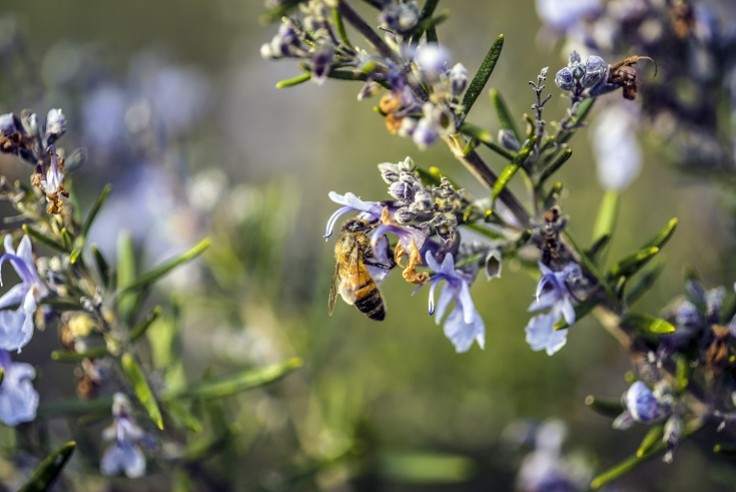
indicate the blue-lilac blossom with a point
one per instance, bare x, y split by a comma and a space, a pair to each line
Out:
16, 326
541, 334
18, 398
124, 455
617, 153
561, 15
463, 325
351, 203
554, 292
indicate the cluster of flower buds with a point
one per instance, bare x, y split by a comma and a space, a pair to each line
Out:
22, 136
124, 455
423, 97
691, 44
578, 76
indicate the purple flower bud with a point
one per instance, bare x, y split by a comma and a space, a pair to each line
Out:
564, 79
458, 79
508, 140
389, 172
55, 125
642, 404
408, 16
404, 216
425, 134
8, 124
402, 191
322, 62
595, 69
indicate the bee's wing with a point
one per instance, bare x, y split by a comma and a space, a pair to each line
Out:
333, 290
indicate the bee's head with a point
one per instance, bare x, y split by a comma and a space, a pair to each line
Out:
356, 225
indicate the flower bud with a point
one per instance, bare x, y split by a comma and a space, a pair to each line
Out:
8, 124
404, 216
402, 191
389, 172
424, 134
407, 165
595, 71
508, 140
564, 79
322, 61
458, 79
672, 435
493, 264
408, 16
55, 125
642, 404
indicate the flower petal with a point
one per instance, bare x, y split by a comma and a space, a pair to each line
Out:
541, 335
462, 334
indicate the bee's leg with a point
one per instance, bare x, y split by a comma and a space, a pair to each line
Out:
381, 265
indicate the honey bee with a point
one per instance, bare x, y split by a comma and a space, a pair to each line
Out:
351, 277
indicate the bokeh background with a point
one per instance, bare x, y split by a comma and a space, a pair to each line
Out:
179, 112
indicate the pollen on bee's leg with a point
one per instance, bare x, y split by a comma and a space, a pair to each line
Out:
410, 273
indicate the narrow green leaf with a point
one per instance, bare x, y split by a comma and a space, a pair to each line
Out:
590, 266
642, 283
427, 12
66, 239
607, 212
682, 373
651, 438
152, 276
142, 389
608, 407
485, 137
44, 475
581, 114
75, 407
645, 323
43, 238
74, 255
140, 329
94, 210
597, 248
484, 73
181, 414
424, 467
299, 79
235, 383
632, 263
632, 462
69, 356
664, 235
554, 166
340, 27
126, 273
103, 267
2, 375
430, 24
510, 170
503, 180
504, 115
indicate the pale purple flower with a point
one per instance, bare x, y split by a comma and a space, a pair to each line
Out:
463, 325
124, 455
560, 15
541, 334
18, 398
554, 292
51, 183
617, 153
351, 203
432, 60
641, 406
16, 326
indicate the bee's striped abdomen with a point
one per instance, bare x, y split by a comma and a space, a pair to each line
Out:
369, 302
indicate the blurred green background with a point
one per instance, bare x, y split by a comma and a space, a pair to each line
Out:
395, 393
